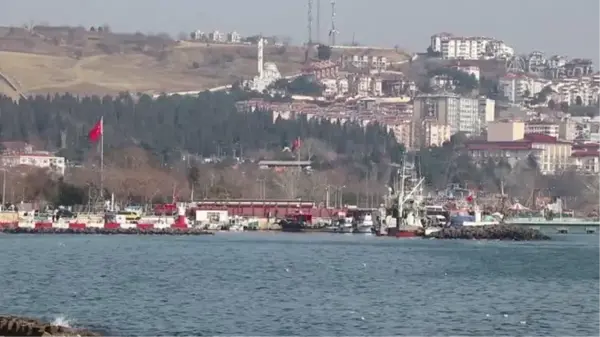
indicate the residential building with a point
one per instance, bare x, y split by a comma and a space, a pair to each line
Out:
487, 111
467, 68
402, 130
234, 37
469, 48
567, 130
321, 70
216, 36
366, 61
516, 87
577, 91
365, 85
36, 159
544, 128
507, 140
459, 113
585, 157
505, 131
433, 134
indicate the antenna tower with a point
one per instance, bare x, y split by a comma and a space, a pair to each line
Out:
318, 37
333, 32
310, 22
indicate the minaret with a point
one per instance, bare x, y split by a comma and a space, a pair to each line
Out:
261, 64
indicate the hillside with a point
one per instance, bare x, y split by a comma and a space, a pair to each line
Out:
75, 59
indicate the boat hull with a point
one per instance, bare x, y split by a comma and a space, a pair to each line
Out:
364, 230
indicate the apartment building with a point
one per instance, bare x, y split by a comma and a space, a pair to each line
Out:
433, 134
507, 140
460, 114
366, 61
469, 48
36, 159
516, 87
544, 128
487, 111
577, 91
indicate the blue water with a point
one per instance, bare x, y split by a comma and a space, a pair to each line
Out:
296, 284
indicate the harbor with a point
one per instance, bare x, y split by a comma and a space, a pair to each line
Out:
407, 213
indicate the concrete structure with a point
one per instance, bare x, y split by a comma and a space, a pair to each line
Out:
505, 131
460, 113
469, 48
507, 140
402, 130
469, 69
516, 87
567, 130
36, 159
577, 91
487, 111
433, 134
234, 37
322, 70
544, 128
366, 61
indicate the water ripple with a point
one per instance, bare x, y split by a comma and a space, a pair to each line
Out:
263, 284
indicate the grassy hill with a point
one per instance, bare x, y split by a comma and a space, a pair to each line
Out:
47, 59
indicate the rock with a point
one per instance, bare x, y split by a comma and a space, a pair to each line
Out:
23, 326
494, 232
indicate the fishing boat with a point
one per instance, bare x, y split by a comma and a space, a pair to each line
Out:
409, 214
345, 225
295, 222
362, 220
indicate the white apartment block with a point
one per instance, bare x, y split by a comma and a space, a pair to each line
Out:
487, 112
366, 61
469, 48
577, 91
460, 114
36, 159
234, 37
545, 128
471, 70
515, 86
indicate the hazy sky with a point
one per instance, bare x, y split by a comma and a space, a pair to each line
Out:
568, 28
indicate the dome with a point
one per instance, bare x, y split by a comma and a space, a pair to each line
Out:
270, 66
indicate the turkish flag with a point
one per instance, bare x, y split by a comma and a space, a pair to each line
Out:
96, 132
470, 198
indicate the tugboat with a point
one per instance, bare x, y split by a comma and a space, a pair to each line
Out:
295, 222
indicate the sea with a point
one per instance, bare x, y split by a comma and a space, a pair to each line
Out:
278, 284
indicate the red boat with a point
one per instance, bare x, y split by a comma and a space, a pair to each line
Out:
402, 233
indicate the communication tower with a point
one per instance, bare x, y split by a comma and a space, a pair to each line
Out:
333, 32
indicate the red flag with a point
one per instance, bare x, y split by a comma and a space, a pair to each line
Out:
470, 198
96, 132
296, 144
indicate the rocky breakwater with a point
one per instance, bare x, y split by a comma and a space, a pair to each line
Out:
494, 232
107, 231
22, 326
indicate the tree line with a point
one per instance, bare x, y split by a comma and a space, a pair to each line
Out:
205, 125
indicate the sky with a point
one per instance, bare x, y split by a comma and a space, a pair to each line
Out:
569, 28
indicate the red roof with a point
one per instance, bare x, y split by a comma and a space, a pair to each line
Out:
542, 138
518, 145
586, 146
583, 154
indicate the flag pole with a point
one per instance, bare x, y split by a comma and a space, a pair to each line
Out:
102, 160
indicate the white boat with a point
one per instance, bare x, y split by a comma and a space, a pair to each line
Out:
237, 224
431, 230
365, 225
345, 225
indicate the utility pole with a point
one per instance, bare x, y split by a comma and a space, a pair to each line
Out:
3, 188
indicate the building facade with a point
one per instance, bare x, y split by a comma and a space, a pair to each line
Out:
516, 87
469, 48
460, 114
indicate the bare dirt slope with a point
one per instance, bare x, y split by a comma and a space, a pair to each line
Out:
46, 59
